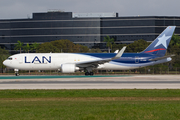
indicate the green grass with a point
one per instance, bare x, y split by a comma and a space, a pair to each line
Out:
88, 93
89, 104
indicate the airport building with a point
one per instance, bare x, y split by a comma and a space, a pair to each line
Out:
83, 28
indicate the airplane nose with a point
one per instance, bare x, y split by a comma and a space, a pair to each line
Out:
5, 63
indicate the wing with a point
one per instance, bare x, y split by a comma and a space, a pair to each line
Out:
94, 63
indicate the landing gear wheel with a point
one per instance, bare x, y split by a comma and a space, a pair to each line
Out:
86, 73
16, 74
91, 73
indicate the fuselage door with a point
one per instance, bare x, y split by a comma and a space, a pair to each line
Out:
20, 59
136, 59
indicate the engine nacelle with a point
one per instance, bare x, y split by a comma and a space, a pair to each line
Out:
68, 68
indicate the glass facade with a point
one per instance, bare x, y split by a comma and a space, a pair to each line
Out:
89, 31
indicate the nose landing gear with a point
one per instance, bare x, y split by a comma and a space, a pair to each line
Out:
16, 72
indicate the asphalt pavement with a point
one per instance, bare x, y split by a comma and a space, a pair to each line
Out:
91, 82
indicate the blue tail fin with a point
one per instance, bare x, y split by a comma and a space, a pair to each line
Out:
160, 44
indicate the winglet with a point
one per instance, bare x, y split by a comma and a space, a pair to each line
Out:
116, 51
118, 55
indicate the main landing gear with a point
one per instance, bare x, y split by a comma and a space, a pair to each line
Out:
16, 72
89, 72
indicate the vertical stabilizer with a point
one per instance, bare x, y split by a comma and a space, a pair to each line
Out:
160, 44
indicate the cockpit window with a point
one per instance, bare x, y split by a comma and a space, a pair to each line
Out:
9, 58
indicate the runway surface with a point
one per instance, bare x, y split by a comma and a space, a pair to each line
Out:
91, 82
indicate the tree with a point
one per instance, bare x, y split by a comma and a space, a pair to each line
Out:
27, 47
117, 46
109, 41
137, 46
174, 45
175, 40
47, 47
61, 46
4, 54
69, 47
97, 50
174, 48
80, 48
64, 46
35, 46
19, 46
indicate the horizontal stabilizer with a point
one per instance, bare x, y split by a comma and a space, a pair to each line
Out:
160, 58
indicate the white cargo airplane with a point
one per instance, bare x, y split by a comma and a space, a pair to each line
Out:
72, 62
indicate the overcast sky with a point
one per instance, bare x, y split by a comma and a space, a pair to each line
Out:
15, 9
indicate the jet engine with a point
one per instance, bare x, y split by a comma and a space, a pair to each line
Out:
69, 68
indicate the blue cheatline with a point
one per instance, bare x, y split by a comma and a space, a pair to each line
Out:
63, 76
